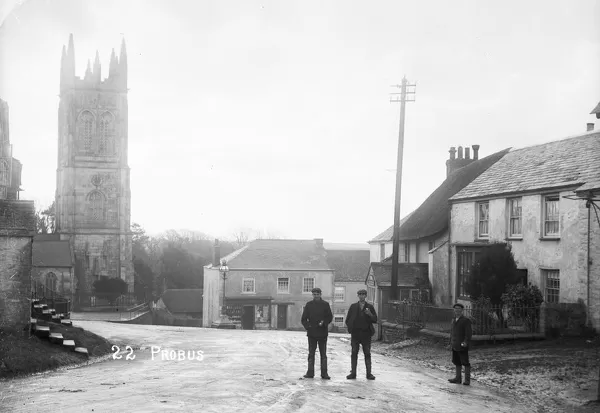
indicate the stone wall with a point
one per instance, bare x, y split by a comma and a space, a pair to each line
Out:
17, 224
564, 319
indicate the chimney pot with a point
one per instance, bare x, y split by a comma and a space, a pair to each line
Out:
452, 152
467, 153
475, 152
590, 127
460, 152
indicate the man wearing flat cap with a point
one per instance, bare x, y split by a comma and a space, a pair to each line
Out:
460, 338
360, 319
316, 318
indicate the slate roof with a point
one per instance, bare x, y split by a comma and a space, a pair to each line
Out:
569, 162
596, 109
17, 215
409, 275
279, 254
51, 253
349, 265
431, 217
183, 301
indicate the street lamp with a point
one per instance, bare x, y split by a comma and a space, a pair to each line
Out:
224, 269
223, 321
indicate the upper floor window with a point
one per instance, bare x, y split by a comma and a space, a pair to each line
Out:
248, 285
283, 285
340, 294
381, 252
308, 284
483, 217
551, 216
515, 217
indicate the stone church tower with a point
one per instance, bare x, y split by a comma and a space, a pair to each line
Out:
93, 197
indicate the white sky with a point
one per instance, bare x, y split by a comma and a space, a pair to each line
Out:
275, 115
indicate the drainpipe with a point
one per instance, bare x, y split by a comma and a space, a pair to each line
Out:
450, 254
589, 208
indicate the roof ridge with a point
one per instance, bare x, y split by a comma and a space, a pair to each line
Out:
582, 135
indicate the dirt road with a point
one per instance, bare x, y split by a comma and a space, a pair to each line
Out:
237, 371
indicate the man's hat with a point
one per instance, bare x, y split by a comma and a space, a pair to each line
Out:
361, 292
459, 305
316, 290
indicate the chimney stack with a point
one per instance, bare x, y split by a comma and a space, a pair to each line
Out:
319, 242
455, 163
590, 127
217, 254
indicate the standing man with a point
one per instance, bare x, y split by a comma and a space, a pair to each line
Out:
316, 318
360, 319
460, 338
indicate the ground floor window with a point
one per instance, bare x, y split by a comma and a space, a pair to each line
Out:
338, 320
552, 281
465, 258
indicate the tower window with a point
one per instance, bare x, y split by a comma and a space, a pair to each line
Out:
4, 173
86, 125
96, 206
105, 134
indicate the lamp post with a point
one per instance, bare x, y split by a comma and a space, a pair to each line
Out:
223, 321
224, 269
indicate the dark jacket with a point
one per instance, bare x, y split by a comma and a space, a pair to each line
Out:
353, 314
315, 312
460, 332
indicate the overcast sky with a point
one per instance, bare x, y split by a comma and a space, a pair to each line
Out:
275, 115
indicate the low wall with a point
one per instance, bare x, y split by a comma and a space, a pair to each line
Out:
564, 319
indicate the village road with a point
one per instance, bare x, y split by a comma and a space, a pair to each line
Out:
238, 371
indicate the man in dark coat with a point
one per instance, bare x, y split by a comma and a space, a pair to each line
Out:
316, 318
360, 319
460, 338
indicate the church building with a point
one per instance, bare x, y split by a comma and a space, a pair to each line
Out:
93, 197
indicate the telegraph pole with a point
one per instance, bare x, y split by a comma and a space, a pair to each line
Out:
407, 94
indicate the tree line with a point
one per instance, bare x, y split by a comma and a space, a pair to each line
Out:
171, 260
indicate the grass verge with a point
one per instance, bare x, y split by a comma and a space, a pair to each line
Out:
22, 354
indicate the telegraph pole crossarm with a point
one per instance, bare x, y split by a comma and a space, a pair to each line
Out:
407, 94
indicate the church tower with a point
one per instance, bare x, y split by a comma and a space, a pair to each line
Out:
93, 196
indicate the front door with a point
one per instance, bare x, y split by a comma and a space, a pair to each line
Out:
248, 317
281, 317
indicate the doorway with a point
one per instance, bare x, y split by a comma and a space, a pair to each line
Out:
248, 317
281, 317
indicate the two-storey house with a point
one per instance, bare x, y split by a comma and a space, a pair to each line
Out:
424, 232
529, 199
267, 284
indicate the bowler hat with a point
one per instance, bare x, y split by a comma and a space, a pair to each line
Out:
316, 290
459, 305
